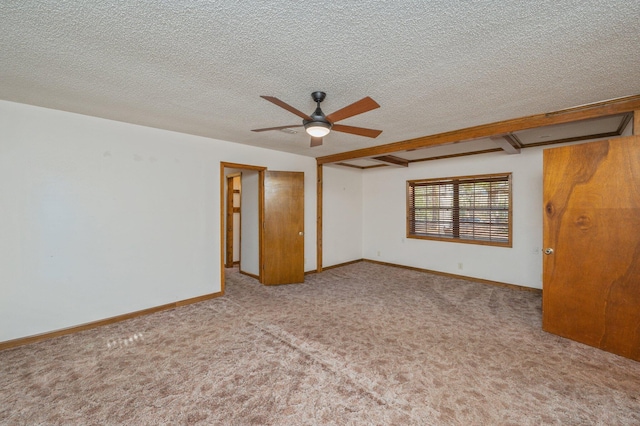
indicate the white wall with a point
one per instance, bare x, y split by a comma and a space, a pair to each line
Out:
100, 218
342, 215
250, 227
384, 219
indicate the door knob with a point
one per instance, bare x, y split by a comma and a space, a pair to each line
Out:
548, 251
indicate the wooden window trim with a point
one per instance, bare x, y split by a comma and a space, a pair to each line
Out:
455, 220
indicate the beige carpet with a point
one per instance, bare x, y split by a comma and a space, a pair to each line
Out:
357, 345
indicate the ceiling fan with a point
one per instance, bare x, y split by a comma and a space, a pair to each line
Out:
317, 125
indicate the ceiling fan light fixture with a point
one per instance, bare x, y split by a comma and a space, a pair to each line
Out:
317, 129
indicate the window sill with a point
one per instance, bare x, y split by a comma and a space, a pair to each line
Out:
507, 244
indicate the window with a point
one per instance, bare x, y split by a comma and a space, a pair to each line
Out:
465, 209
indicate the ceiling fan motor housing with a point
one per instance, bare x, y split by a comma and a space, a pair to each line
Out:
317, 117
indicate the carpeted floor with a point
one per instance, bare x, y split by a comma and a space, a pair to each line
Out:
357, 345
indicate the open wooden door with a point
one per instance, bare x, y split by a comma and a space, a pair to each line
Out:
591, 283
283, 235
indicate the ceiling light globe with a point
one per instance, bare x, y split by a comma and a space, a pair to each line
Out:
318, 129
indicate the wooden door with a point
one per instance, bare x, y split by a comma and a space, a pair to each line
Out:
283, 235
591, 284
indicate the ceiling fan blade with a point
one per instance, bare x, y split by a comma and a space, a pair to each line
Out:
363, 105
315, 142
276, 128
286, 106
361, 131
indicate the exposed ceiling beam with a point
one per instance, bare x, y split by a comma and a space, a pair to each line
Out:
599, 109
349, 165
392, 160
508, 143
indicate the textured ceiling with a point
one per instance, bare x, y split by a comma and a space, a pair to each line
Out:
199, 67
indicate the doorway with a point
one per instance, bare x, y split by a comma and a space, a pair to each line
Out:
245, 237
271, 247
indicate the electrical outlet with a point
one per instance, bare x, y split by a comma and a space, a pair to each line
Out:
460, 266
378, 253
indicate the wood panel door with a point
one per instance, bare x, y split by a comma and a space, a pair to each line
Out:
283, 235
591, 283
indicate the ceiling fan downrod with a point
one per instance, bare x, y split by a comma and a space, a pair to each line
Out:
318, 115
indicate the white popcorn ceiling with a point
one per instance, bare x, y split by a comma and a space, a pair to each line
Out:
199, 67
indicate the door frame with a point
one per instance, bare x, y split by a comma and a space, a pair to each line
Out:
261, 171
